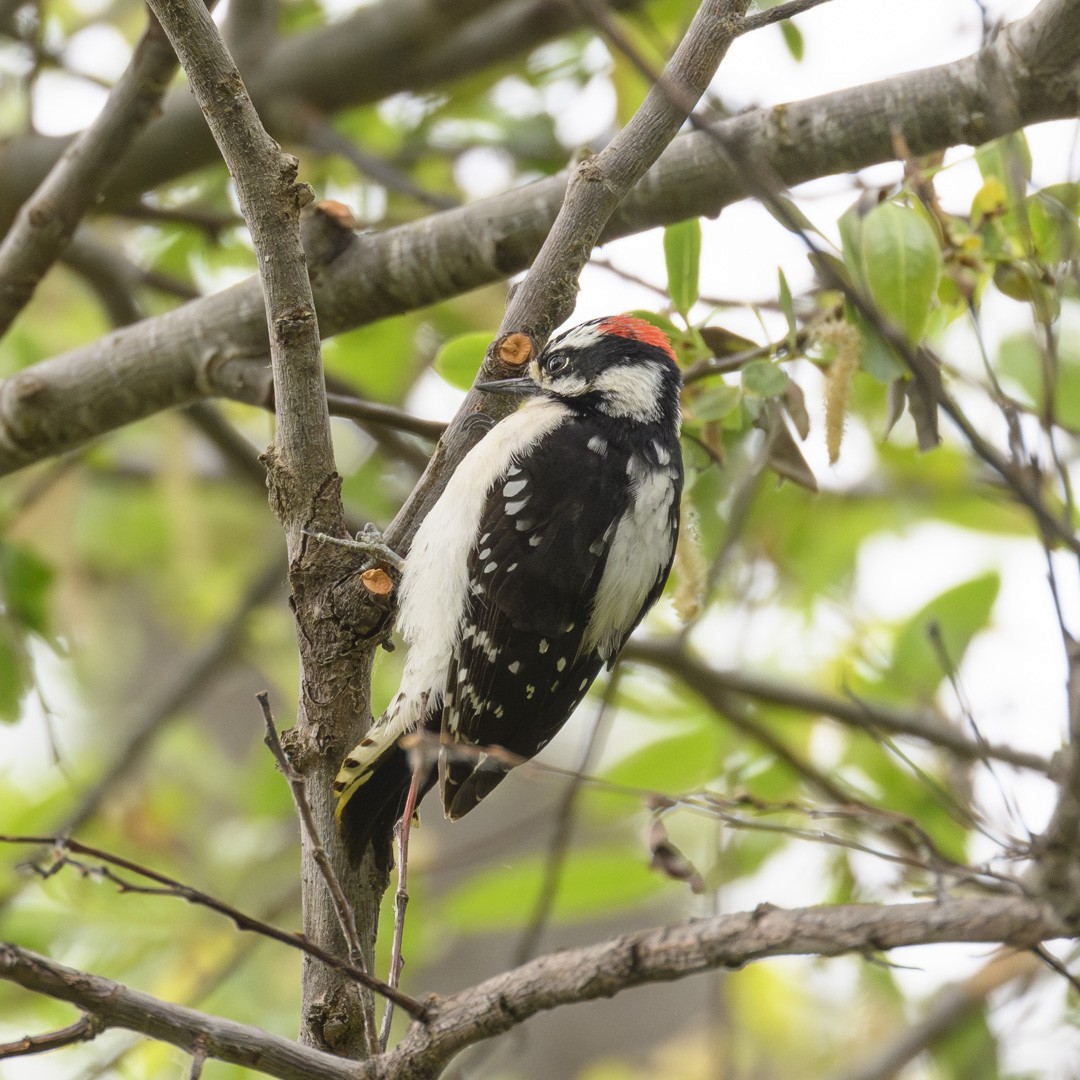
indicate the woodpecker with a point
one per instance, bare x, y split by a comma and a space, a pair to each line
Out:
551, 541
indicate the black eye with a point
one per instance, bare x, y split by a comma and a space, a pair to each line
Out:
557, 364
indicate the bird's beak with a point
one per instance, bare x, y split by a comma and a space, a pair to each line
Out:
520, 387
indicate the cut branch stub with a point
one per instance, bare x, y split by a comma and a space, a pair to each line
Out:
514, 349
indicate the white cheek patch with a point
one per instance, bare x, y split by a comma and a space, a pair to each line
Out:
633, 391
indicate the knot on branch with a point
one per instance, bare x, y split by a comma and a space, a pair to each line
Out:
326, 229
293, 324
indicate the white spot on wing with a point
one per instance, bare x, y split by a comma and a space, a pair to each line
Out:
514, 487
516, 505
632, 390
514, 668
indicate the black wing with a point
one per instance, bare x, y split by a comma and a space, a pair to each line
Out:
517, 674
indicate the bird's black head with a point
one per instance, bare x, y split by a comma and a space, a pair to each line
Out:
618, 365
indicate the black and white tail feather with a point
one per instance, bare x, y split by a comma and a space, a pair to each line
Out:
551, 541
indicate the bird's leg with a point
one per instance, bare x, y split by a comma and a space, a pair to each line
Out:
401, 900
419, 764
368, 542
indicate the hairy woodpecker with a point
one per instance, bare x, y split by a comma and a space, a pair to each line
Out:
551, 540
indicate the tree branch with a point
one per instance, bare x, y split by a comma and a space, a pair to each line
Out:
217, 345
661, 954
875, 717
84, 1029
723, 941
114, 1005
48, 220
305, 494
270, 200
382, 49
65, 847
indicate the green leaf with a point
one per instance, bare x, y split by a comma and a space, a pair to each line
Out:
723, 342
1020, 359
593, 882
460, 358
13, 682
682, 253
901, 264
1007, 159
379, 359
25, 579
793, 39
716, 402
989, 201
968, 1051
684, 758
764, 378
1052, 220
932, 644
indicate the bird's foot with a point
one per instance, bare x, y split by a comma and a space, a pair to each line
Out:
368, 542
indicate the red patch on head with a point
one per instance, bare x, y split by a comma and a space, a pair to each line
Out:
638, 330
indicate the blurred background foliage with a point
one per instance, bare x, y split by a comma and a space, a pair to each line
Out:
144, 603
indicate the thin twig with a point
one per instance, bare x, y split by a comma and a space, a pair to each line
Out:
48, 219
857, 712
346, 915
777, 14
374, 412
420, 763
198, 1059
83, 1030
168, 886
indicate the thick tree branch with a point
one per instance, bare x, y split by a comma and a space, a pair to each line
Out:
270, 200
114, 1005
724, 941
305, 494
662, 954
48, 220
217, 345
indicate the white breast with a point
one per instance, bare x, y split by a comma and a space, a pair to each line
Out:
640, 551
434, 584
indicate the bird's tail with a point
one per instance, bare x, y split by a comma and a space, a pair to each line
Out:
372, 788
371, 800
